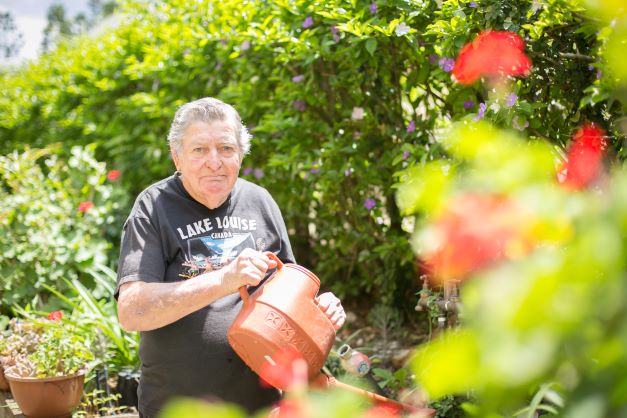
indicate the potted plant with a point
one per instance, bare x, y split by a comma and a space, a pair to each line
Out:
45, 366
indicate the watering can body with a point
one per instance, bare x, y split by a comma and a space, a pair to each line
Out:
283, 314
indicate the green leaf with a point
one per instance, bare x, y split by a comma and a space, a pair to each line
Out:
371, 46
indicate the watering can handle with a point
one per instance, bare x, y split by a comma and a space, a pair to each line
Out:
279, 265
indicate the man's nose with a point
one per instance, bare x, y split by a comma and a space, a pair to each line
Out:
213, 160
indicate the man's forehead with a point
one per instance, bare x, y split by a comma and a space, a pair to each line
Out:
207, 135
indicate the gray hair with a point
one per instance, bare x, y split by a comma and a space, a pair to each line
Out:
207, 110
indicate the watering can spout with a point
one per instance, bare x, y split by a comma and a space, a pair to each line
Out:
324, 381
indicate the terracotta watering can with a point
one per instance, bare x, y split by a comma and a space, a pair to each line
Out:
283, 313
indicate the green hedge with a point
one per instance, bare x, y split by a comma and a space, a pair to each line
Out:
341, 96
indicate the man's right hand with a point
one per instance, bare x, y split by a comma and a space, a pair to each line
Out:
247, 269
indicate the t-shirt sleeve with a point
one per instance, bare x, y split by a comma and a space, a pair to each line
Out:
141, 253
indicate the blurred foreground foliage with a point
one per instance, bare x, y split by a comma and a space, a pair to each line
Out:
545, 322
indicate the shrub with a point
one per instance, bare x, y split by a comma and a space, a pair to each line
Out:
56, 221
340, 95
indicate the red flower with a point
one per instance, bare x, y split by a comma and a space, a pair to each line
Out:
113, 175
55, 316
85, 206
384, 410
476, 231
289, 408
584, 158
284, 370
492, 53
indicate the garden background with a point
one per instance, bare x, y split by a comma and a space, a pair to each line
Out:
348, 102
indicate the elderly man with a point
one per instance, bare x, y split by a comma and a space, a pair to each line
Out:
190, 241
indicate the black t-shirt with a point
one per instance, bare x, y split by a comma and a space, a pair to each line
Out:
170, 236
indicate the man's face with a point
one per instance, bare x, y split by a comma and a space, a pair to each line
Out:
209, 161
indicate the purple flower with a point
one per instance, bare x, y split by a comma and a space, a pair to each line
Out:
405, 155
248, 170
481, 113
314, 170
348, 172
245, 45
336, 33
298, 78
411, 127
258, 173
373, 8
599, 73
433, 58
299, 105
473, 4
223, 41
369, 203
469, 104
308, 22
511, 100
446, 64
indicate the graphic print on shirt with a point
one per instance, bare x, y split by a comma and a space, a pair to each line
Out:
213, 252
212, 243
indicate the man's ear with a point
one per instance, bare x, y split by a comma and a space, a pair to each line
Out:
175, 158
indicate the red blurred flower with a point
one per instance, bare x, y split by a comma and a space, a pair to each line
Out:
55, 316
289, 408
383, 410
585, 156
286, 369
492, 53
113, 175
476, 231
85, 206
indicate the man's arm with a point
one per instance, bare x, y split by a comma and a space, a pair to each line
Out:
146, 306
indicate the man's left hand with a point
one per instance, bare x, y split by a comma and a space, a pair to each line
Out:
332, 307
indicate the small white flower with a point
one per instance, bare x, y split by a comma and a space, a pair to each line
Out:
495, 107
516, 124
537, 5
358, 113
401, 29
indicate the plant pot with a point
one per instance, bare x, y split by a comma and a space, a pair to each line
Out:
50, 397
128, 382
4, 383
